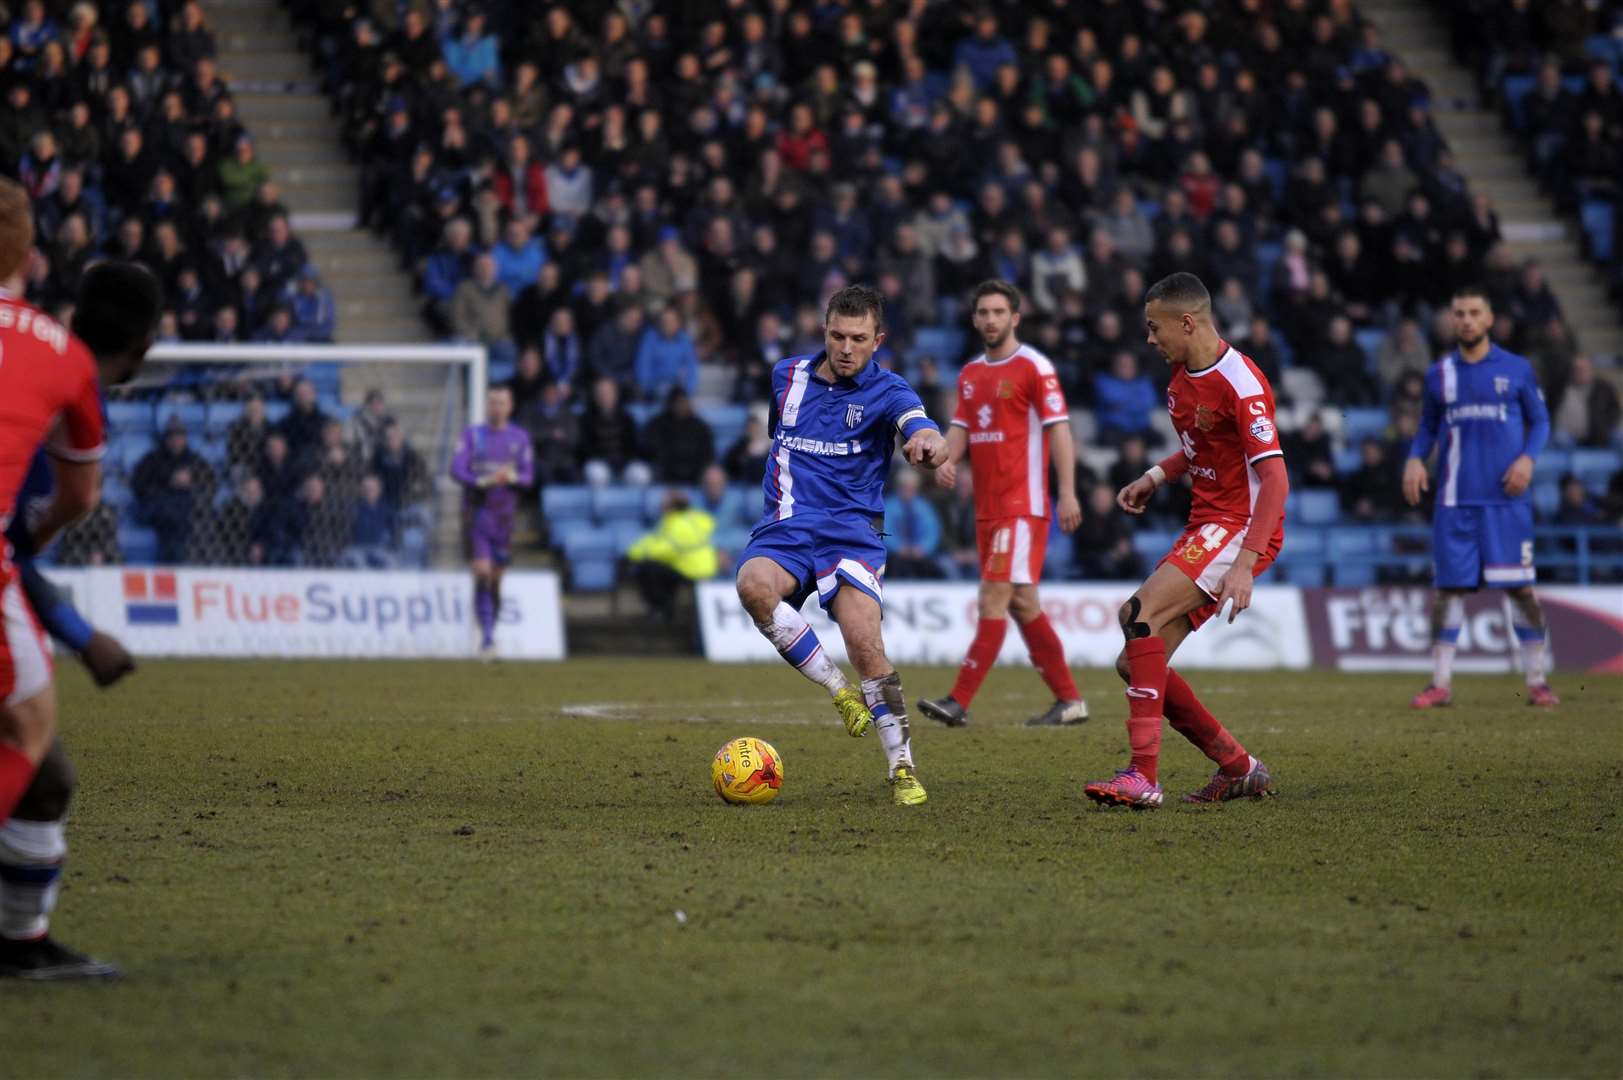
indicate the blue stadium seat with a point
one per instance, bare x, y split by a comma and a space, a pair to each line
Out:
1595, 467
1153, 543
617, 503
653, 497
414, 547
137, 543
1514, 90
592, 574
581, 539
945, 343
1369, 340
1315, 506
1150, 208
643, 411
1599, 222
222, 414
625, 532
131, 450
726, 424
1360, 424
1277, 172
1304, 542
1349, 460
731, 539
194, 414
115, 492
1308, 572
130, 417
1553, 462
1604, 47
1354, 575
212, 449
1546, 498
1354, 542
1060, 557
325, 378
566, 502
276, 411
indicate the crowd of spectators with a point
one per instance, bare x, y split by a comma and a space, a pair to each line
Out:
307, 489
641, 207
128, 141
623, 200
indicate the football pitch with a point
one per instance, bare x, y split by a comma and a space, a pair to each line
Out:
439, 869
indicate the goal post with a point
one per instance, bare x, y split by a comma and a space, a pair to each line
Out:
475, 358
214, 460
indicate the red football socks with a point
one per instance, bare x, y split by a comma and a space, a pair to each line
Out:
982, 655
1049, 657
16, 773
1146, 692
1195, 722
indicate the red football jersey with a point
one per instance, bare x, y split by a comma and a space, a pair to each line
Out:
1006, 406
48, 391
1224, 416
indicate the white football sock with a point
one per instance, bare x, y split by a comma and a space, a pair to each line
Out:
884, 699
1442, 654
32, 850
1530, 643
797, 642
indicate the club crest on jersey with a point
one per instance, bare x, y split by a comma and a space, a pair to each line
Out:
1005, 389
1204, 418
853, 414
1262, 429
1501, 384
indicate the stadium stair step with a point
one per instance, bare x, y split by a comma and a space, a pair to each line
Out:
1494, 165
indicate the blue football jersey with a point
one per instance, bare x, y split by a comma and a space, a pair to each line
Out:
832, 441
1482, 416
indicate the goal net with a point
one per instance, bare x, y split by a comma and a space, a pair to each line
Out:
284, 455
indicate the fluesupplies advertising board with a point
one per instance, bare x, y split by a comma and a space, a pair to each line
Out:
933, 623
220, 611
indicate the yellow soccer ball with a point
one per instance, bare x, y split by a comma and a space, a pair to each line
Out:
747, 770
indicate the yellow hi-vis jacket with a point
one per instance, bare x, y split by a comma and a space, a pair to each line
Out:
681, 541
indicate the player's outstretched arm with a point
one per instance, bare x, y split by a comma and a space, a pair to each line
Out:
926, 449
76, 491
1135, 497
1235, 586
946, 475
1415, 481
1062, 449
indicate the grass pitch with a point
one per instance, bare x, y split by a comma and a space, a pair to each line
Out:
353, 869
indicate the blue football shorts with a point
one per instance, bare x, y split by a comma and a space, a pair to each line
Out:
1474, 546
822, 553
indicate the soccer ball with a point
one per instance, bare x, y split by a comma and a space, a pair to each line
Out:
747, 770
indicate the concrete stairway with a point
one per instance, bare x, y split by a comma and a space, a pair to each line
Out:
1493, 163
296, 135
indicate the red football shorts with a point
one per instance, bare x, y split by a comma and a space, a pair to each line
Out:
25, 659
1204, 553
1012, 548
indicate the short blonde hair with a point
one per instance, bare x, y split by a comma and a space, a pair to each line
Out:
16, 228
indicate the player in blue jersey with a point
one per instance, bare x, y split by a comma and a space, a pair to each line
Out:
116, 315
494, 462
836, 416
1484, 413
